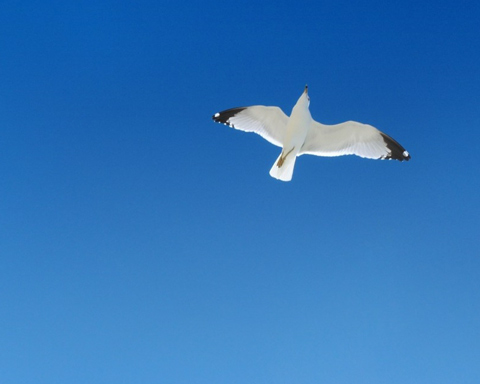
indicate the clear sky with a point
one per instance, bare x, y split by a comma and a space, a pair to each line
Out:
140, 242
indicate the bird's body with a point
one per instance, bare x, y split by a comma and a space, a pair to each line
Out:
299, 134
295, 134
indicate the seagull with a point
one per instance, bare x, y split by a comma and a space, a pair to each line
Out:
300, 135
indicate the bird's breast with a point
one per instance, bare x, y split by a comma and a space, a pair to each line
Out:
297, 130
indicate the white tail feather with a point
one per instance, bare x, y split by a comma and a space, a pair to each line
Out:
285, 172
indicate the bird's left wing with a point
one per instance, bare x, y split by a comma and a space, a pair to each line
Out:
352, 138
268, 122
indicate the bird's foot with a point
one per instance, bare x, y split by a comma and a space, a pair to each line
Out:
282, 158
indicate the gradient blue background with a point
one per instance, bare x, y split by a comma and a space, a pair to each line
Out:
140, 242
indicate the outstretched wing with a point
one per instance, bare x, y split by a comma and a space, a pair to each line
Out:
268, 122
352, 138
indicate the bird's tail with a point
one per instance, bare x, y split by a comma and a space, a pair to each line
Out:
283, 167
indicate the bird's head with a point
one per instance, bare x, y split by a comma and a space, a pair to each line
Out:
304, 98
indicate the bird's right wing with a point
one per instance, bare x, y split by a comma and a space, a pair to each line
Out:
268, 122
352, 138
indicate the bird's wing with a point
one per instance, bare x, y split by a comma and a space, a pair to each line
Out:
268, 122
352, 138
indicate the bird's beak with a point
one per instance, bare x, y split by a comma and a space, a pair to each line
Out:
306, 89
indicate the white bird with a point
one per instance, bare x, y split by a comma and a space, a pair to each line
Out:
299, 134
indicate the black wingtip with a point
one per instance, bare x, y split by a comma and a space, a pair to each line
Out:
222, 117
397, 152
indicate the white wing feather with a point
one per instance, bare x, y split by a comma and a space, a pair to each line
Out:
268, 122
349, 138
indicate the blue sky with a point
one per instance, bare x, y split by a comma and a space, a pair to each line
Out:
141, 242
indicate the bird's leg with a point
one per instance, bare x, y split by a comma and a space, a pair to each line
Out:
283, 157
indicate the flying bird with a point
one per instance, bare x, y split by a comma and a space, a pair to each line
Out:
300, 135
